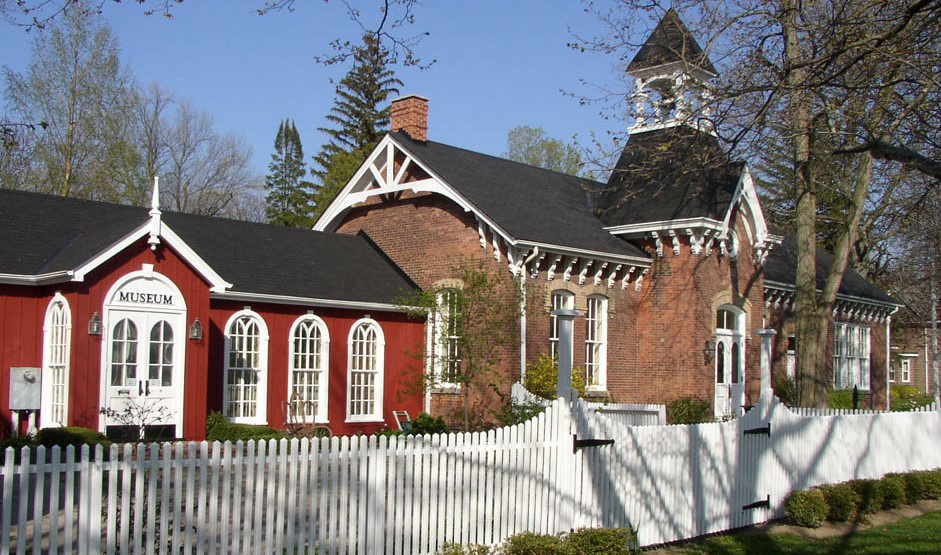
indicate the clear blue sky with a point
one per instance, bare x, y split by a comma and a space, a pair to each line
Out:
499, 64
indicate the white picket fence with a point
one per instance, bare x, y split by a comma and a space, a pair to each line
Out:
410, 495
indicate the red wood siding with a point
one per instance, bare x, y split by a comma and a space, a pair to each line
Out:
404, 336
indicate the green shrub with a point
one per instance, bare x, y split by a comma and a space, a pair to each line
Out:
932, 484
528, 543
218, 428
72, 435
807, 507
603, 541
842, 399
893, 491
517, 412
842, 501
689, 411
17, 443
914, 487
424, 423
907, 397
785, 389
542, 377
458, 549
870, 495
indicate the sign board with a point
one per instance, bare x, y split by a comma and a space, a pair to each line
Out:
25, 388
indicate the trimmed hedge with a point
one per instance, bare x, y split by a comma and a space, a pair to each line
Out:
72, 435
893, 491
869, 493
842, 501
914, 487
612, 541
584, 541
689, 411
932, 483
807, 507
218, 428
528, 543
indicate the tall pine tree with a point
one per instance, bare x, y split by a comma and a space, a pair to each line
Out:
358, 121
289, 196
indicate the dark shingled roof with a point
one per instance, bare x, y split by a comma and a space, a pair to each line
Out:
781, 266
42, 233
670, 42
668, 174
530, 203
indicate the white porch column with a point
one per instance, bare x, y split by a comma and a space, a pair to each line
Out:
766, 335
565, 318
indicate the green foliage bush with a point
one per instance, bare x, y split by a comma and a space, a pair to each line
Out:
528, 543
842, 399
914, 487
218, 428
907, 397
870, 495
424, 423
542, 377
785, 389
689, 411
603, 541
458, 549
893, 491
17, 443
842, 501
516, 412
72, 435
932, 483
807, 508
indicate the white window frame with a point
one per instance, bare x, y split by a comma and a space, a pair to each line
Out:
379, 370
851, 354
56, 358
559, 299
596, 343
906, 368
322, 372
261, 386
446, 339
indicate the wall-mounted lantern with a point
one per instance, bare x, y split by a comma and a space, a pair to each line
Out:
94, 325
707, 349
196, 330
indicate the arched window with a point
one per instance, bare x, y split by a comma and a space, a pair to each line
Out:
596, 338
124, 353
560, 299
57, 342
365, 378
447, 338
307, 382
246, 368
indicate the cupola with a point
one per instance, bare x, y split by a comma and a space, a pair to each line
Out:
670, 73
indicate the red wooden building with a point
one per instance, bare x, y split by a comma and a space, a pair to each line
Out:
118, 307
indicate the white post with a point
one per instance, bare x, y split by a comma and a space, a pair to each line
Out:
766, 335
565, 318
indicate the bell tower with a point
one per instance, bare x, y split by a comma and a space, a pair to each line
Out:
671, 73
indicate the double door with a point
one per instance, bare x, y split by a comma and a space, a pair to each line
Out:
730, 374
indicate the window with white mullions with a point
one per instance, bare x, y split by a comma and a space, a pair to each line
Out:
124, 353
447, 337
161, 353
57, 333
246, 368
596, 331
308, 372
851, 356
366, 360
560, 300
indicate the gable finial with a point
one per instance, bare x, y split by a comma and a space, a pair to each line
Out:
155, 224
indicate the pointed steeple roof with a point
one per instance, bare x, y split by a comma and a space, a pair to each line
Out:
671, 42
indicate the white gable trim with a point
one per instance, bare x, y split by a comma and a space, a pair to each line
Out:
216, 282
378, 168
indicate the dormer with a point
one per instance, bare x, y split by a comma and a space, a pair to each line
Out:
671, 73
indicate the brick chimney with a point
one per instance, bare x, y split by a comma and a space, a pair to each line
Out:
409, 113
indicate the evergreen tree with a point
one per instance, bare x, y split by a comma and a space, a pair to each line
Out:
358, 121
289, 196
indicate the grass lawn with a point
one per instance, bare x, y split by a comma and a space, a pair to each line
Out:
914, 536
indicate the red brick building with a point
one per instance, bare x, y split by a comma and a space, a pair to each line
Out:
671, 261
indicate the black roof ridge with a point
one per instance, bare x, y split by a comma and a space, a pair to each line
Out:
502, 159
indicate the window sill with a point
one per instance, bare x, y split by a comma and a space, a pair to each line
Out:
596, 391
365, 420
446, 389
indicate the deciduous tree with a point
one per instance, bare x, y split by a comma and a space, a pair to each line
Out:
531, 145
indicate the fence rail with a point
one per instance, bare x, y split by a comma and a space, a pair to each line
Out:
412, 494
